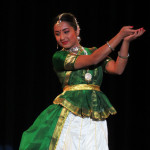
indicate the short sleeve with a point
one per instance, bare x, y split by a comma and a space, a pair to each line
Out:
63, 60
93, 49
104, 63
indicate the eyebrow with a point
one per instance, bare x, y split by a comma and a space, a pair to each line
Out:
62, 30
65, 29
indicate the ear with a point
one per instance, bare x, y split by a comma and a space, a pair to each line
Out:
78, 31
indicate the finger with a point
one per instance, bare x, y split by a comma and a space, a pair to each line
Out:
141, 31
132, 31
131, 27
134, 35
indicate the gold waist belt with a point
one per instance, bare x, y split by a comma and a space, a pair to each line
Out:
81, 87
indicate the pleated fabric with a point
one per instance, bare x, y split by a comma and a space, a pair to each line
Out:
83, 134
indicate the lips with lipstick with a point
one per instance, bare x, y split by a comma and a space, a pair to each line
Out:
64, 42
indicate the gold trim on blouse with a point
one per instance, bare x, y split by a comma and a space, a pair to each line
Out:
69, 62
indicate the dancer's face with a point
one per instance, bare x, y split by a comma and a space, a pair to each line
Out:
65, 35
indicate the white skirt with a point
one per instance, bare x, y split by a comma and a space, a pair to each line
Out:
83, 134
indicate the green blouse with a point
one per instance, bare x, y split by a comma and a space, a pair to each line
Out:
82, 101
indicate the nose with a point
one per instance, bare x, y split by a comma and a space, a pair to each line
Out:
62, 36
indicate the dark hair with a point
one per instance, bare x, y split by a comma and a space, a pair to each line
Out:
68, 17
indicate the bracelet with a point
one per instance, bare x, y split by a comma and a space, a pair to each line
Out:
124, 57
110, 46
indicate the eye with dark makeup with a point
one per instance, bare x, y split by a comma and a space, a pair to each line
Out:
66, 31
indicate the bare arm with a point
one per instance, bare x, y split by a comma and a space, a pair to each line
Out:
118, 66
102, 52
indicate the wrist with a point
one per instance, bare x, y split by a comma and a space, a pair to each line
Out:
120, 36
112, 49
125, 41
123, 56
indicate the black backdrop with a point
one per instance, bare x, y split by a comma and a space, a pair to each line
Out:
29, 84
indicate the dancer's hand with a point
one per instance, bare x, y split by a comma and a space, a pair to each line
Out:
126, 31
137, 33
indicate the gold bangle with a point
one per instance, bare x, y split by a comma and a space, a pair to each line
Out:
123, 57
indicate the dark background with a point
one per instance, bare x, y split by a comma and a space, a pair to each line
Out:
29, 84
